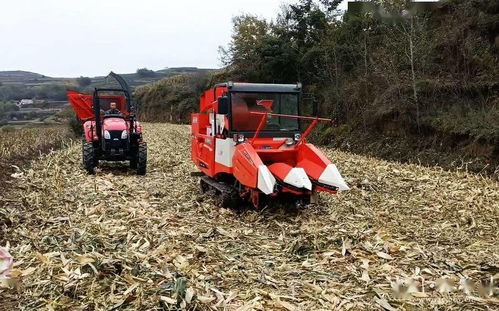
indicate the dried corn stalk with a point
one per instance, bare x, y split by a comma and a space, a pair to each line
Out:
117, 240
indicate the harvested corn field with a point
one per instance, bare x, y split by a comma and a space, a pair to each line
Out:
405, 237
18, 146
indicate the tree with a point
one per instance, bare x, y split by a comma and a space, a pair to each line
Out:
331, 5
145, 73
410, 38
380, 68
83, 81
243, 51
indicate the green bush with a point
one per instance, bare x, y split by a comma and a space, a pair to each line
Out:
8, 129
75, 126
145, 73
172, 99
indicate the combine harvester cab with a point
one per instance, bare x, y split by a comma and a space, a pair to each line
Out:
248, 142
113, 136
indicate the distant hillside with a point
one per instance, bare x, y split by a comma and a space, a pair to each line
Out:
19, 75
135, 79
49, 91
172, 99
32, 79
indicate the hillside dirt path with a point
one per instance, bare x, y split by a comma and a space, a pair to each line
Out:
119, 241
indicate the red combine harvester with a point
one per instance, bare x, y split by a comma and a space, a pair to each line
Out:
112, 132
248, 142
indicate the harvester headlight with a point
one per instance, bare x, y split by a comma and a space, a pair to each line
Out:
107, 135
124, 135
297, 137
289, 142
238, 138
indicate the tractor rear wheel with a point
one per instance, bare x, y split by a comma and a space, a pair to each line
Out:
141, 159
89, 158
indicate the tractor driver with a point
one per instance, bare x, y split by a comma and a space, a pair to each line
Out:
113, 110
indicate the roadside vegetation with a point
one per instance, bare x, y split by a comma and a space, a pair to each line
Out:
6, 110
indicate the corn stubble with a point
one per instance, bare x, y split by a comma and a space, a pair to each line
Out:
22, 142
120, 241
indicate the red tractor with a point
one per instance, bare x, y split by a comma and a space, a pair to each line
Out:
112, 132
248, 143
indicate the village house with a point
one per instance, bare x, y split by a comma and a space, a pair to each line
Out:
24, 102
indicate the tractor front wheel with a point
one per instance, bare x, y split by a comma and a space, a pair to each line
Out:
142, 159
89, 158
133, 163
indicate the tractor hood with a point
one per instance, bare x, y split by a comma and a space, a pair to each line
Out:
114, 124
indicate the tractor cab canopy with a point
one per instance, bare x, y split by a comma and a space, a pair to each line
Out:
89, 107
244, 104
106, 100
83, 104
247, 102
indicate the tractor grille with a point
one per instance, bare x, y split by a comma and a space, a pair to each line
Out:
116, 143
115, 134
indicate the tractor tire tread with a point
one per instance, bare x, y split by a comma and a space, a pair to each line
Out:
89, 159
142, 159
133, 162
230, 199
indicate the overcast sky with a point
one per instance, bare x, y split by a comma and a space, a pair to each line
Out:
72, 38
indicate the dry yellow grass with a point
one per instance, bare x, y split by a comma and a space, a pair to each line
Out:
120, 241
25, 141
18, 146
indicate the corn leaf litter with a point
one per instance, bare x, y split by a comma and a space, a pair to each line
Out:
120, 241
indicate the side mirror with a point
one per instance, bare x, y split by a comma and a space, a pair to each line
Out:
223, 105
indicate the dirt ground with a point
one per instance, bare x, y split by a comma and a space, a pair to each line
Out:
405, 237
